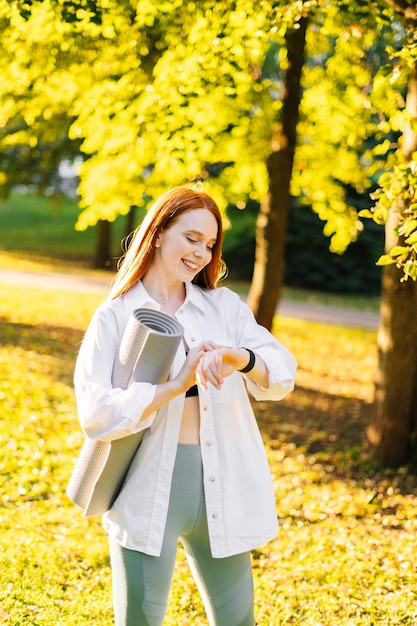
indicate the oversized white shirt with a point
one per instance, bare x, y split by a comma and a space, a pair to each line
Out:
240, 502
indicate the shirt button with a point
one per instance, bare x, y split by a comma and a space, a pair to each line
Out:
180, 311
205, 407
212, 479
208, 444
192, 339
214, 516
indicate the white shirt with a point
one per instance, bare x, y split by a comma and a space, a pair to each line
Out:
240, 502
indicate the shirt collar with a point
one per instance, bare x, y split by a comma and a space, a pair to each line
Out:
194, 295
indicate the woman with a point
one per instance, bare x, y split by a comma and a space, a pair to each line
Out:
200, 474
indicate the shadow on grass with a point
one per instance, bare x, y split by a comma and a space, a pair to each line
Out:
58, 345
315, 420
43, 339
329, 429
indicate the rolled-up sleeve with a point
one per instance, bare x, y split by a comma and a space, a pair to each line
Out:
106, 412
279, 361
281, 367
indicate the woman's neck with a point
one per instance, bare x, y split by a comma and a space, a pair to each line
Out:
170, 298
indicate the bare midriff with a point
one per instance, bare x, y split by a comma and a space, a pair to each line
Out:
190, 423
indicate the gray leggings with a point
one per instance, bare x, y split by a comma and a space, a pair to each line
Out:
141, 583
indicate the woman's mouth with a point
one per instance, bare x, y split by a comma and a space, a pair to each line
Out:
192, 267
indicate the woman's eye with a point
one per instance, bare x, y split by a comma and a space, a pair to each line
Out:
195, 241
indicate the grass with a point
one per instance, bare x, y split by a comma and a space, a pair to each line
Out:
345, 552
38, 232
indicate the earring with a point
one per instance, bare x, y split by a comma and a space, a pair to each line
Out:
157, 245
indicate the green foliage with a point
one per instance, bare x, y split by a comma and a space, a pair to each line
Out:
399, 185
239, 242
335, 123
37, 89
187, 102
345, 552
395, 198
155, 94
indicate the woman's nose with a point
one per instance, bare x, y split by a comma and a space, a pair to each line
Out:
199, 249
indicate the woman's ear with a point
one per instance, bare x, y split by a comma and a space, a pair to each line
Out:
158, 239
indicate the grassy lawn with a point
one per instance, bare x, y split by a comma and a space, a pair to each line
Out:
39, 232
346, 550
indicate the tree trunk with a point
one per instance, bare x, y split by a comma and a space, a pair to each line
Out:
103, 258
395, 401
130, 221
271, 227
394, 419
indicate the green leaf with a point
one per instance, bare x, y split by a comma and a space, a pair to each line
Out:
366, 213
398, 251
385, 259
412, 239
407, 227
410, 269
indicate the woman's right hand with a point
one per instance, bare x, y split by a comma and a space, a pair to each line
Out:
186, 376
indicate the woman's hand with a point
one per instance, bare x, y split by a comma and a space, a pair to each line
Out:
186, 377
215, 365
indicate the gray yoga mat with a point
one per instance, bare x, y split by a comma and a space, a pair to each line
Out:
146, 353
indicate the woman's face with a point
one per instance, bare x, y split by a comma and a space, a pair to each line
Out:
186, 245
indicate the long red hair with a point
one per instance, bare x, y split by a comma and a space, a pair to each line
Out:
164, 211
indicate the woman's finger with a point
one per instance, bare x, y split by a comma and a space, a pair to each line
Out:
209, 370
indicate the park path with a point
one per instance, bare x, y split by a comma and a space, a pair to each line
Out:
88, 284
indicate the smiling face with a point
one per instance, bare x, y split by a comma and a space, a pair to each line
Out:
186, 245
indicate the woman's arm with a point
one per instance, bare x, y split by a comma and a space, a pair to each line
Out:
273, 374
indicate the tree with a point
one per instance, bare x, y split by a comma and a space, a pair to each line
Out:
218, 113
38, 90
394, 424
34, 105
273, 217
178, 91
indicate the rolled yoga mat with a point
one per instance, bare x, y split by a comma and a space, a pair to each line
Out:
146, 354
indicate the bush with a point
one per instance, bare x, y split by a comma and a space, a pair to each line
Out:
308, 262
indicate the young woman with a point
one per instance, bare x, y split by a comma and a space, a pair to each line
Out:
201, 473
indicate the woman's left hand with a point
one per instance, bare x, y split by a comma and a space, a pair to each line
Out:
219, 363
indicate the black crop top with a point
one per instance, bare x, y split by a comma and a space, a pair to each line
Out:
192, 391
